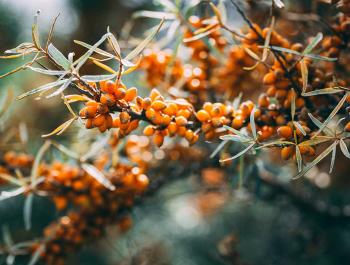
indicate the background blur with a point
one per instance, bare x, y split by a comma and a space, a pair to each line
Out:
185, 223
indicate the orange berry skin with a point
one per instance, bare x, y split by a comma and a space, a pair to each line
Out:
98, 120
237, 122
109, 121
150, 114
141, 182
287, 152
285, 132
203, 116
149, 130
158, 105
90, 111
181, 121
124, 117
172, 128
189, 135
133, 125
130, 94
171, 109
119, 93
269, 78
89, 124
263, 101
154, 93
116, 122
158, 139
347, 127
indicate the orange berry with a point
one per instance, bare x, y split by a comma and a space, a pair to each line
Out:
119, 93
347, 127
150, 114
189, 135
141, 182
237, 122
90, 111
171, 109
158, 139
172, 128
287, 152
124, 117
158, 105
149, 130
181, 121
154, 93
109, 121
98, 120
285, 132
203, 116
89, 124
264, 101
116, 122
130, 94
269, 78
107, 99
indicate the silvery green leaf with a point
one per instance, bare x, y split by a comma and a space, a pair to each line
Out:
45, 71
37, 160
98, 175
97, 50
299, 158
298, 125
6, 235
319, 125
42, 88
139, 48
223, 11
37, 254
334, 151
80, 62
114, 43
243, 136
154, 14
344, 148
62, 88
320, 58
333, 113
4, 195
316, 161
317, 140
252, 123
97, 78
239, 154
58, 57
218, 148
324, 91
313, 43
27, 211
21, 48
230, 137
10, 259
275, 143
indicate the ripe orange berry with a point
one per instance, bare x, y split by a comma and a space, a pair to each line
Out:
203, 116
189, 135
124, 117
181, 121
88, 124
130, 94
269, 78
172, 128
263, 101
119, 93
285, 132
116, 122
149, 130
287, 152
237, 122
98, 120
158, 105
158, 139
171, 109
141, 182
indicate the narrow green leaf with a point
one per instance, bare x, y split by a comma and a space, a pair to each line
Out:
46, 72
98, 175
97, 78
299, 158
252, 123
42, 88
344, 148
27, 211
144, 43
334, 151
37, 160
313, 43
324, 91
333, 113
58, 57
60, 129
239, 154
320, 125
37, 254
218, 148
154, 14
316, 161
62, 88
298, 125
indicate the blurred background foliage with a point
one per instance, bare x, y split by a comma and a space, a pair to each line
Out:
186, 222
